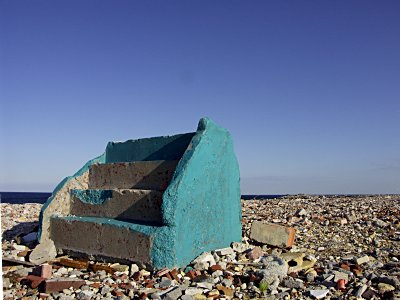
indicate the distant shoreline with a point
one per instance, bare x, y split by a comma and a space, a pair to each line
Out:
36, 197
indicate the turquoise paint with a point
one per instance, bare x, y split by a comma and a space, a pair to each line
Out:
201, 206
156, 148
95, 197
202, 202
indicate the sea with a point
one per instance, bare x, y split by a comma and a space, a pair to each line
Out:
27, 197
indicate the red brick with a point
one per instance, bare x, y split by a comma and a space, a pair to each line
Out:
272, 234
215, 268
34, 280
174, 274
45, 271
117, 293
59, 284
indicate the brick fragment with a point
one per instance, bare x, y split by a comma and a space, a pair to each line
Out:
59, 284
77, 264
272, 234
34, 280
225, 290
44, 271
214, 268
117, 293
174, 275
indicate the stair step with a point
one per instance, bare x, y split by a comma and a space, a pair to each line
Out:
103, 236
130, 205
151, 175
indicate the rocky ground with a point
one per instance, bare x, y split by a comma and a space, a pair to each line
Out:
345, 248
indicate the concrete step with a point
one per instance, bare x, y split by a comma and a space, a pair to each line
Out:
103, 237
150, 175
130, 205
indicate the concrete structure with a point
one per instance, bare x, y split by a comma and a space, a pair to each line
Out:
160, 201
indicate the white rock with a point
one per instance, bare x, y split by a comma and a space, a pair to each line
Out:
224, 251
43, 252
193, 291
319, 294
362, 260
205, 257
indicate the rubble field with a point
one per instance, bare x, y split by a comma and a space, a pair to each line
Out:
345, 247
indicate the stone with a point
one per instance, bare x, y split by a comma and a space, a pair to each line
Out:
319, 294
174, 294
274, 270
254, 253
340, 275
360, 291
362, 260
301, 212
205, 257
187, 297
240, 247
384, 287
272, 234
29, 238
205, 285
59, 284
43, 252
225, 251
193, 291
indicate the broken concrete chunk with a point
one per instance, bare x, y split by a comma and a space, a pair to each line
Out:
298, 261
272, 234
43, 252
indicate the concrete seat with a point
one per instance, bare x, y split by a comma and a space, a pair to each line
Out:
159, 201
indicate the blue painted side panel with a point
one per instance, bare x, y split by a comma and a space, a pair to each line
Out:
202, 203
156, 148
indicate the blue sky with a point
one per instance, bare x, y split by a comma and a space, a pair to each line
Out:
310, 90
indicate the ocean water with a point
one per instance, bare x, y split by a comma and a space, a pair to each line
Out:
23, 197
27, 197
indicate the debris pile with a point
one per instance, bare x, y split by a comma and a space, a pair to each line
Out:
295, 247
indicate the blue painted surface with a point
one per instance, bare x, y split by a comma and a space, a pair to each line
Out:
201, 207
156, 148
96, 197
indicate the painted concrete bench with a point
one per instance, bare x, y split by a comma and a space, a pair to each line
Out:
159, 201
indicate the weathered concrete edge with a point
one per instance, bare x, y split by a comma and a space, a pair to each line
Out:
100, 159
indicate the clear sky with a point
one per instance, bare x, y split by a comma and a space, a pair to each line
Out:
310, 90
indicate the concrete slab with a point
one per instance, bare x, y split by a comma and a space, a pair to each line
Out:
100, 236
130, 205
150, 175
